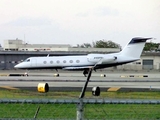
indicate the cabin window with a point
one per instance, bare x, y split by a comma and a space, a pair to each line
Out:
77, 61
71, 61
44, 62
64, 61
51, 62
28, 60
58, 61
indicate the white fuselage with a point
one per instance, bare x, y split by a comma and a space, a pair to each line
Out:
131, 52
78, 62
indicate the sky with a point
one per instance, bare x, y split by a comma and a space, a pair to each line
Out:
79, 21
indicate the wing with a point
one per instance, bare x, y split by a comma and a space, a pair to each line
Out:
77, 68
83, 67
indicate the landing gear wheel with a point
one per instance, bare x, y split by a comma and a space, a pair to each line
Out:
25, 74
85, 72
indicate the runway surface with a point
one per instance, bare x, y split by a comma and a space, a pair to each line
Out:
76, 79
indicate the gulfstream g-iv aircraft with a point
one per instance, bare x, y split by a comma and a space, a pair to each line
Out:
131, 52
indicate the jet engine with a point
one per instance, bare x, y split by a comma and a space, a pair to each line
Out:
109, 59
103, 58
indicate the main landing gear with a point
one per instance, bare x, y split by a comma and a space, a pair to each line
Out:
26, 73
56, 74
85, 72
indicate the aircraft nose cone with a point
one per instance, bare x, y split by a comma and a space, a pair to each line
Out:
17, 66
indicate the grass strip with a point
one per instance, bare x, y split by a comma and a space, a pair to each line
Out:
23, 94
68, 111
91, 111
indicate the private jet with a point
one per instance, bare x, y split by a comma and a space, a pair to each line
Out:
131, 52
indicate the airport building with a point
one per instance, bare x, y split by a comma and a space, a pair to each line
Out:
20, 45
14, 51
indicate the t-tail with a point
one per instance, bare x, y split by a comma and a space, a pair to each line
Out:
135, 47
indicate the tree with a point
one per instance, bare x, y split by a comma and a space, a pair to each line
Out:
106, 44
85, 45
149, 46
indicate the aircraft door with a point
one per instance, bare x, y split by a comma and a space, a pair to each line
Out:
33, 62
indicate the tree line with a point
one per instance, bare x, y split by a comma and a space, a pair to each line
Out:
149, 46
100, 44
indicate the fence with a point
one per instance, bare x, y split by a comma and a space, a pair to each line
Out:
65, 105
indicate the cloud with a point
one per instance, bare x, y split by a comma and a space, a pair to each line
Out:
30, 22
85, 14
106, 11
100, 11
81, 21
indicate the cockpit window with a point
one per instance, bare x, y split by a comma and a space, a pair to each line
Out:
27, 60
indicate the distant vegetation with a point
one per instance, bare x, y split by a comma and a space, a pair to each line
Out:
152, 46
100, 44
149, 46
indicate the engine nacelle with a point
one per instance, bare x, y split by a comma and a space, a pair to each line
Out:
94, 57
104, 58
109, 59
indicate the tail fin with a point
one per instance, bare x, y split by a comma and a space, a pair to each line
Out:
135, 47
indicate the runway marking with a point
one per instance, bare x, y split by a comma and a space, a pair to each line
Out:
136, 76
4, 74
140, 76
123, 76
9, 87
113, 89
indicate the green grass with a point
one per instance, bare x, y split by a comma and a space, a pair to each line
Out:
91, 111
68, 111
23, 94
